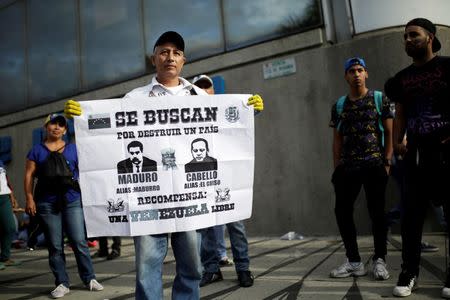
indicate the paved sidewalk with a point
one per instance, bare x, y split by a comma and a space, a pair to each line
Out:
283, 270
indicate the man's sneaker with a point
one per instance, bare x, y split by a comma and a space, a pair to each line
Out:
60, 291
446, 292
94, 285
446, 289
225, 262
407, 282
113, 255
426, 247
210, 277
348, 269
245, 278
379, 269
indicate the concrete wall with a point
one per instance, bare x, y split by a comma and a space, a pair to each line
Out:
292, 189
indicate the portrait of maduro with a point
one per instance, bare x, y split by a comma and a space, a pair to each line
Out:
136, 162
201, 160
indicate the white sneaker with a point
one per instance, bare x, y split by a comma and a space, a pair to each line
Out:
445, 293
379, 269
94, 285
60, 291
348, 269
405, 285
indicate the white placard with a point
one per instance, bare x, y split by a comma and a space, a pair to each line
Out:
165, 164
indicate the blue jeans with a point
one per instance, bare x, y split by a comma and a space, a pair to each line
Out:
239, 248
221, 246
7, 227
150, 253
68, 219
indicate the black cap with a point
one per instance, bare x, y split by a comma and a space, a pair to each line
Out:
54, 118
428, 26
170, 37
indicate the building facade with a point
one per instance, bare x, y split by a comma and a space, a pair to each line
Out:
52, 50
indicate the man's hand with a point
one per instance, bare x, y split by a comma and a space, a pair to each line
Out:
388, 170
30, 207
13, 200
257, 102
400, 149
72, 108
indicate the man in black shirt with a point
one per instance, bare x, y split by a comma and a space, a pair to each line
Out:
422, 99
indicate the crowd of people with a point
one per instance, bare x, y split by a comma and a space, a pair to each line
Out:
368, 134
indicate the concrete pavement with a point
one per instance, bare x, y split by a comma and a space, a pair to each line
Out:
295, 269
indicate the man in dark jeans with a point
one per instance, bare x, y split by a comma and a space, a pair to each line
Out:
423, 111
103, 247
362, 152
236, 230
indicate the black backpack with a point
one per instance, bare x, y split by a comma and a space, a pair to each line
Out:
55, 176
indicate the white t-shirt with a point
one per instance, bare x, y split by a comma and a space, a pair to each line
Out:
4, 188
156, 89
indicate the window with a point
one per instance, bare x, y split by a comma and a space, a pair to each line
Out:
253, 21
53, 60
112, 46
13, 88
198, 21
51, 49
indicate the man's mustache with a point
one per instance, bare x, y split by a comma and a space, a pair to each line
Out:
135, 160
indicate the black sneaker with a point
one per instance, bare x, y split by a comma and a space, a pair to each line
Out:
426, 247
114, 254
208, 278
407, 282
245, 278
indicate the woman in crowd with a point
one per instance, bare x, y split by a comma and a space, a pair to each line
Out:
57, 201
7, 224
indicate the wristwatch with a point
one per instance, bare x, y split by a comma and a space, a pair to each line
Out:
387, 162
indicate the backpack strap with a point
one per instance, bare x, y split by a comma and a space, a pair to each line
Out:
193, 92
60, 148
378, 97
339, 110
57, 150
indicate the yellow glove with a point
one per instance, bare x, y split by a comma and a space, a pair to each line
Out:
257, 102
72, 108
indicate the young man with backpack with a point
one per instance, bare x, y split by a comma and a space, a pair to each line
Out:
362, 152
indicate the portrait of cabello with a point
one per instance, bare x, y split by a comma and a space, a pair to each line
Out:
201, 160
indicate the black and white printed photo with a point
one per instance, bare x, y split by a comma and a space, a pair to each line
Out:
201, 160
136, 162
